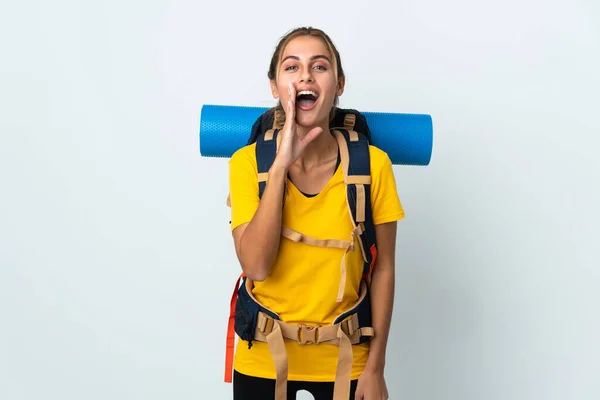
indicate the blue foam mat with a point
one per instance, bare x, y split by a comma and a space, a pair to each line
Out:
406, 138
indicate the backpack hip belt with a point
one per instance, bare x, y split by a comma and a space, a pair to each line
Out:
254, 322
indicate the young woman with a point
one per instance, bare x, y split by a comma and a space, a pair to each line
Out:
301, 283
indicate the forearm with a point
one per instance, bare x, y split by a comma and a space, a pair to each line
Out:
382, 299
259, 242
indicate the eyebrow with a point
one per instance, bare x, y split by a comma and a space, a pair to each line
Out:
319, 56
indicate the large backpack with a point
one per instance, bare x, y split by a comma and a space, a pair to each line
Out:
252, 321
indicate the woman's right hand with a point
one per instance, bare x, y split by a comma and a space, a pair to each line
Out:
291, 145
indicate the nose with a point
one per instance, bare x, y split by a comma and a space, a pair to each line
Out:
306, 76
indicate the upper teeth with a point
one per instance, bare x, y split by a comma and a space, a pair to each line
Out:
307, 92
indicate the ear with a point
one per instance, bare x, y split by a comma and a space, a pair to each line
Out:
341, 85
274, 90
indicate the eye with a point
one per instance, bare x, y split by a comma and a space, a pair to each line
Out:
289, 67
321, 67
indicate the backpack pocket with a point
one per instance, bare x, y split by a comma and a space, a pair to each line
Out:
246, 315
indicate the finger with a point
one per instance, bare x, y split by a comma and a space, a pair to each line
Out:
292, 100
292, 92
359, 393
312, 135
289, 115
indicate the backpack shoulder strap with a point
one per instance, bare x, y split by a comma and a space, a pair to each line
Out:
356, 164
266, 150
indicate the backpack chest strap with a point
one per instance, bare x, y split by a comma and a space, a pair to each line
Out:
302, 238
331, 243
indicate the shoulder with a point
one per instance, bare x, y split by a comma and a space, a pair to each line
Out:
246, 152
384, 194
379, 160
244, 157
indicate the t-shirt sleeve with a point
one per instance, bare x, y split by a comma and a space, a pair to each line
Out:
385, 201
243, 186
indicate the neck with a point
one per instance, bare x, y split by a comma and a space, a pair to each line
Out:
322, 149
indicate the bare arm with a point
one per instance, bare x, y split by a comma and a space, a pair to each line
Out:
382, 294
257, 242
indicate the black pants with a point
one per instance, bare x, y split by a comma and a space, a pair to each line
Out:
250, 388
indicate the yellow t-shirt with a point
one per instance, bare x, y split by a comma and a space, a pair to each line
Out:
303, 284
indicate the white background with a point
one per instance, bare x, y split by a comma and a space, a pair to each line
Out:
116, 258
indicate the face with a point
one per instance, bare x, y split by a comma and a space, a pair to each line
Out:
307, 63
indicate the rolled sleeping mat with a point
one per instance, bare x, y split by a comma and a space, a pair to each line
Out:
406, 138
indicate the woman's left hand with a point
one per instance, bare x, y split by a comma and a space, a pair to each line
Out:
371, 386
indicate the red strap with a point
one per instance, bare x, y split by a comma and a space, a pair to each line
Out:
231, 334
373, 255
373, 250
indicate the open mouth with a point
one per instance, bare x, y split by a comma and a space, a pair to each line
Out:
306, 99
